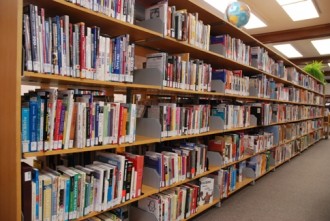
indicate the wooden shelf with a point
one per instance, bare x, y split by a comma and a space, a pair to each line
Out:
203, 208
31, 78
146, 190
211, 170
140, 140
240, 185
108, 25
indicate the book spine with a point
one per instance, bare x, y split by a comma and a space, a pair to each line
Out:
25, 116
33, 125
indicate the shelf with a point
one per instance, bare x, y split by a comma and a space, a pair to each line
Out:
240, 185
31, 78
140, 140
211, 170
270, 169
146, 190
203, 208
108, 25
55, 80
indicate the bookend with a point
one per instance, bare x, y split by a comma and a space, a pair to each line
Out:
218, 48
214, 158
155, 24
136, 213
218, 86
148, 127
148, 76
216, 123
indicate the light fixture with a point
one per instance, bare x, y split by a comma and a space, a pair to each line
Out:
220, 5
329, 64
322, 46
254, 22
288, 50
299, 9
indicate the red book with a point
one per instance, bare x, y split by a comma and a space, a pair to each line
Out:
57, 122
121, 123
138, 162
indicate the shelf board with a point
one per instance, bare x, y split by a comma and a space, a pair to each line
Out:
33, 78
203, 208
55, 80
146, 190
108, 25
211, 170
140, 140
240, 185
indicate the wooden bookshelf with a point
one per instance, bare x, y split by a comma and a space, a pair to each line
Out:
13, 77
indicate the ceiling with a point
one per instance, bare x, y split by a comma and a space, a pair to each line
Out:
281, 29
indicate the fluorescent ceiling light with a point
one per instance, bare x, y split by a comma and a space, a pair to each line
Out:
299, 9
288, 50
220, 5
254, 22
322, 46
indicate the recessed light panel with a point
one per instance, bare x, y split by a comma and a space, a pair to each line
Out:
254, 22
299, 9
220, 5
322, 46
288, 50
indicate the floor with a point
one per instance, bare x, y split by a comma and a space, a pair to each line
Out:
299, 190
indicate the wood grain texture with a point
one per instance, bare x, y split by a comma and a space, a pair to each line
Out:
10, 62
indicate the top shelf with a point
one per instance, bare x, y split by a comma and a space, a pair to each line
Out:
108, 25
155, 40
209, 15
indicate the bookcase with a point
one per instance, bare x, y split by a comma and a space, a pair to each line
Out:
13, 76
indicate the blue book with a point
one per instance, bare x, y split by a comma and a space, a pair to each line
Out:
33, 124
35, 179
67, 199
59, 43
25, 127
220, 39
219, 74
117, 55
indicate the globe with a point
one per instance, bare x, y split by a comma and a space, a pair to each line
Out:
238, 13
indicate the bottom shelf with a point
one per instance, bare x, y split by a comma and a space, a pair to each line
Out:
203, 208
240, 185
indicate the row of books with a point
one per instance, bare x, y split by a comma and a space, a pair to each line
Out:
67, 193
255, 114
179, 71
53, 45
58, 119
179, 202
231, 48
176, 120
178, 163
258, 57
285, 152
119, 9
180, 24
233, 147
107, 216
234, 82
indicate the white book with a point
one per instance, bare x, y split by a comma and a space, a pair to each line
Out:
107, 169
40, 42
41, 127
119, 162
107, 73
98, 182
89, 53
134, 183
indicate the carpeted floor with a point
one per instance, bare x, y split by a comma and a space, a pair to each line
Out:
299, 190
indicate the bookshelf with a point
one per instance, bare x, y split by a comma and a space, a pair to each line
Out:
13, 76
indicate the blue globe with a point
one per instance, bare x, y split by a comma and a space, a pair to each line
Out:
238, 13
